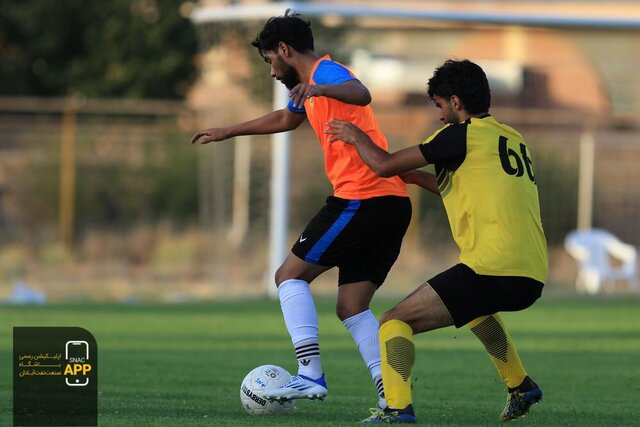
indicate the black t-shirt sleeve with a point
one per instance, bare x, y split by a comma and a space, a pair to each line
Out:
448, 148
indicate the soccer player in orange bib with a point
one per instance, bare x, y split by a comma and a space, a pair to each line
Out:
361, 226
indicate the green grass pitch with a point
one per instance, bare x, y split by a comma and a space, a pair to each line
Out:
182, 364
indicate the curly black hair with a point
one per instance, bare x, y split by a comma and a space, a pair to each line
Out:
465, 80
290, 29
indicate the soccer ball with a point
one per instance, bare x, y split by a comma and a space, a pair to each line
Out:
254, 385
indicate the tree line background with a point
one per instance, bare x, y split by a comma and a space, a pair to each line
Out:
116, 48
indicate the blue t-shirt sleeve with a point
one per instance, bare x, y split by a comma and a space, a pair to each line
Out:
294, 109
331, 73
327, 73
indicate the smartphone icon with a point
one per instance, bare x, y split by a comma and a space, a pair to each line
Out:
77, 352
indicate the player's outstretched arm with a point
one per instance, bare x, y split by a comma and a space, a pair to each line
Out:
274, 122
423, 179
384, 164
349, 92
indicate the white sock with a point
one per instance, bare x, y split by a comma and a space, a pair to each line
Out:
301, 318
382, 402
363, 327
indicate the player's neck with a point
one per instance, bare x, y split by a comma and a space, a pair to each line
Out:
464, 116
306, 62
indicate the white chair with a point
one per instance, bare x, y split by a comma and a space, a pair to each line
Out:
602, 259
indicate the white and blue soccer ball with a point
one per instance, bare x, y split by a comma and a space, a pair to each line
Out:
255, 384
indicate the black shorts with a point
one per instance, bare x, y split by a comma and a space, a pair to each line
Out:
361, 237
468, 295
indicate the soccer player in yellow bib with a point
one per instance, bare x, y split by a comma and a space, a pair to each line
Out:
486, 179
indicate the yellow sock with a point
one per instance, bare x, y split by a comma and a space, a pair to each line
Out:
491, 331
397, 354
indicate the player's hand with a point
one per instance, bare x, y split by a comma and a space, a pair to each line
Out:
344, 131
302, 92
206, 136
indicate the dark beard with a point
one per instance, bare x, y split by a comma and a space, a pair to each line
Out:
289, 77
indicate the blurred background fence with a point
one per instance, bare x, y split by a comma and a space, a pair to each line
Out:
106, 199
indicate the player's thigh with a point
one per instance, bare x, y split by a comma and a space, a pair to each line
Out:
468, 295
327, 239
379, 231
511, 293
423, 310
462, 292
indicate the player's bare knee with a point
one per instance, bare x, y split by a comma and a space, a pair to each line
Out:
397, 314
343, 311
387, 315
281, 275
